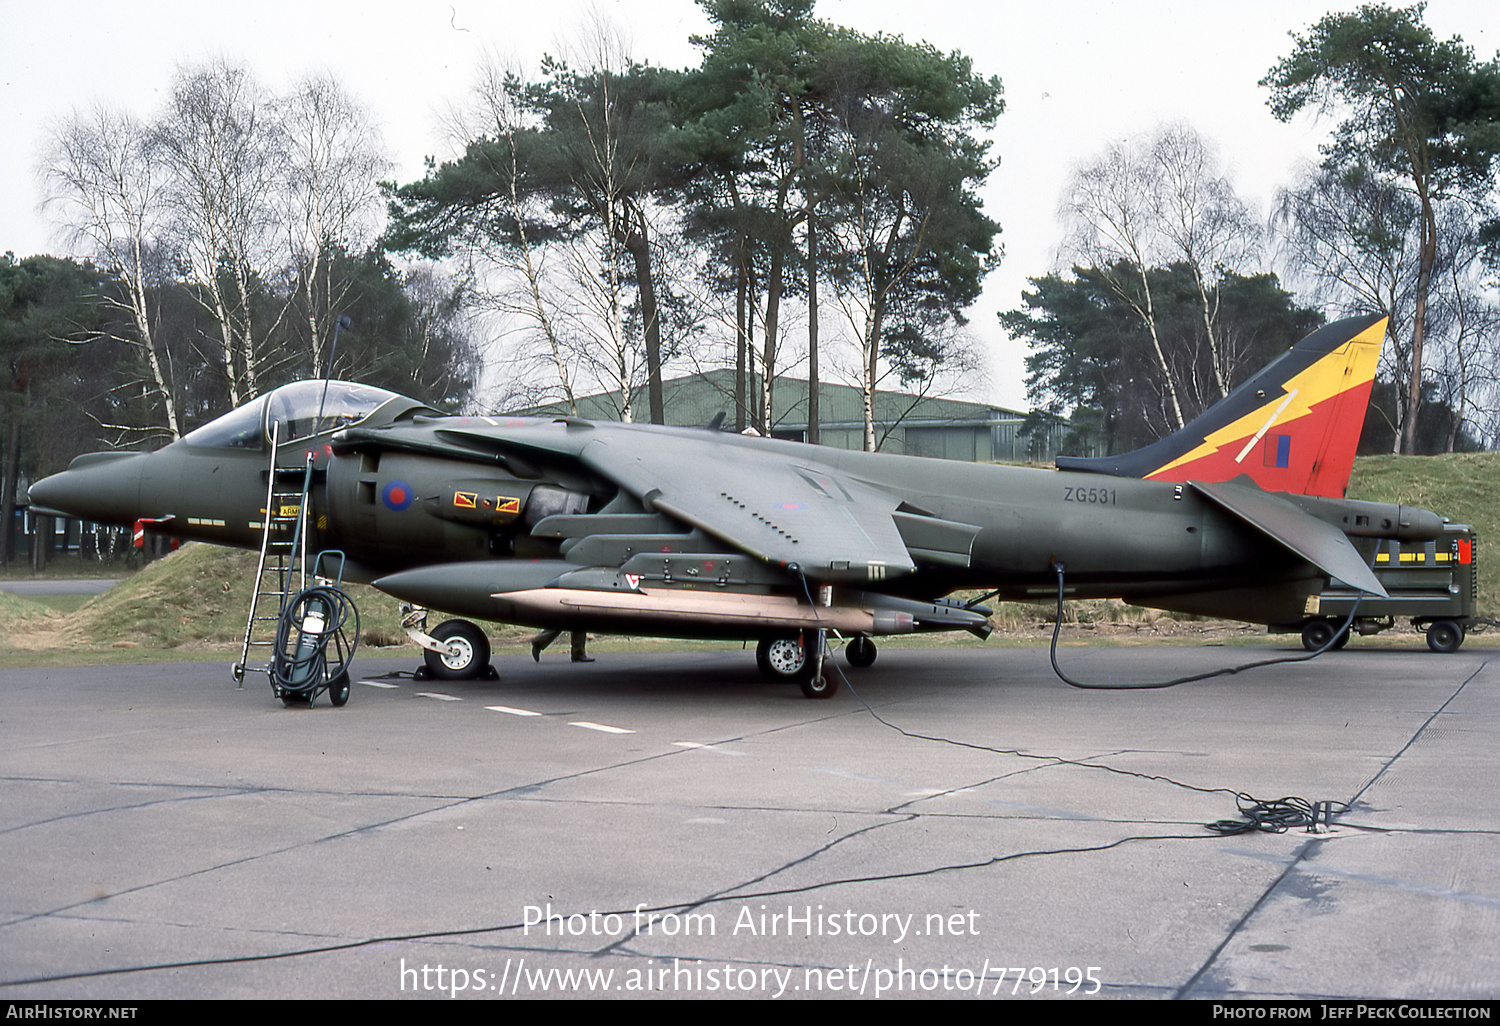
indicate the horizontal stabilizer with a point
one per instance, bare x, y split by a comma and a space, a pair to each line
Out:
1320, 543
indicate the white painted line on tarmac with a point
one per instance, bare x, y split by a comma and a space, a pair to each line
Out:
379, 684
600, 726
438, 696
513, 712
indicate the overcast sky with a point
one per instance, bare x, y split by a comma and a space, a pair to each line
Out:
1077, 76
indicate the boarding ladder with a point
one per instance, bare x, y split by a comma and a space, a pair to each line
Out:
282, 570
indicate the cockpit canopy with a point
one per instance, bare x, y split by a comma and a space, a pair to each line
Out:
298, 410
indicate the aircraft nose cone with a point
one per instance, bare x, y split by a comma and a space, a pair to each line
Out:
101, 486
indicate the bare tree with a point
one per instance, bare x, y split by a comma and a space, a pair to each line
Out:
617, 128
1343, 239
503, 237
1463, 327
1111, 208
1156, 202
104, 183
1354, 242
553, 204
873, 232
221, 146
334, 159
249, 208
1206, 225
597, 269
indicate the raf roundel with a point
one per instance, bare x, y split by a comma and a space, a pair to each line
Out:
397, 496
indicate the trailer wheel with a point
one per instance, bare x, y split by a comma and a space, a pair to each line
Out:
1445, 636
1316, 634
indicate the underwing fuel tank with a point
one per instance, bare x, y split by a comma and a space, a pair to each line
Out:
544, 593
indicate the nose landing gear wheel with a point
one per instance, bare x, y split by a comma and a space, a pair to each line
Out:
823, 686
468, 654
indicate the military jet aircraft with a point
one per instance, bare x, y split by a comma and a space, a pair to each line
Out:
683, 532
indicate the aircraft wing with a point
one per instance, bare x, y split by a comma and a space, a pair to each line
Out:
776, 506
777, 509
1320, 543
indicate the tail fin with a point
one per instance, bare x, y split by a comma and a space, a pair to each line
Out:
1293, 427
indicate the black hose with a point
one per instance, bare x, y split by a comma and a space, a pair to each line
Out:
1227, 671
300, 664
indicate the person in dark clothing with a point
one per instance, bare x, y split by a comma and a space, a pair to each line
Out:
547, 637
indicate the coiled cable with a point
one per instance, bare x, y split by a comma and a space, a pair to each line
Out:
314, 617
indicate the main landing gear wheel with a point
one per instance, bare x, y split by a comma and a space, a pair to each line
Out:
785, 659
860, 652
468, 655
1445, 636
1316, 634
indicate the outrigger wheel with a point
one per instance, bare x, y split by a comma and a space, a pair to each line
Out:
860, 652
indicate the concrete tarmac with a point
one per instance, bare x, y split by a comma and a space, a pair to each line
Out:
671, 825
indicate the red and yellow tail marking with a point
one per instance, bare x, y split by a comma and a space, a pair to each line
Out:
1301, 440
